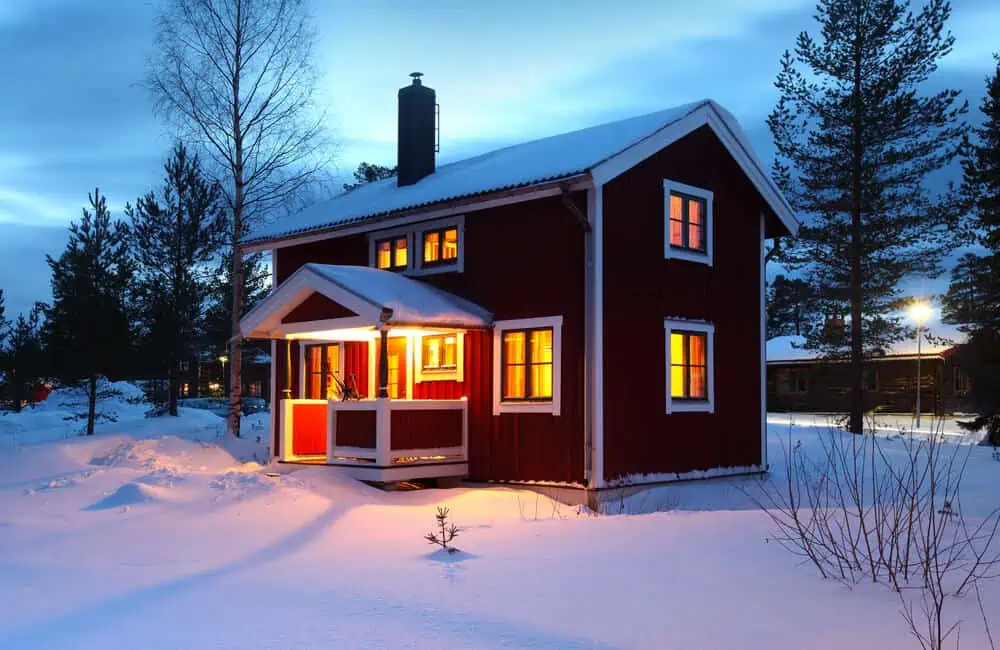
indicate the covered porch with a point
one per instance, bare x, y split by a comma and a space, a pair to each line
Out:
371, 372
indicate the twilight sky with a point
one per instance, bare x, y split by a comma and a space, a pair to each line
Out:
74, 116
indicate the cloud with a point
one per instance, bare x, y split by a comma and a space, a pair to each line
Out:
24, 274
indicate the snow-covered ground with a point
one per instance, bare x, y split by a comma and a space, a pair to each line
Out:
889, 424
154, 535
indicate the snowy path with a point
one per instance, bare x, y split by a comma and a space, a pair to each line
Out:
160, 542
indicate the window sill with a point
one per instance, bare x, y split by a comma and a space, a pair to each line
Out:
690, 406
450, 374
689, 255
526, 407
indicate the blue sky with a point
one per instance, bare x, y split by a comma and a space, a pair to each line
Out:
74, 115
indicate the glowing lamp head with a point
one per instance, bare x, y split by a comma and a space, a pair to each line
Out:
223, 358
920, 312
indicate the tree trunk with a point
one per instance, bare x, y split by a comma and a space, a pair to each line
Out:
173, 387
91, 404
239, 199
856, 290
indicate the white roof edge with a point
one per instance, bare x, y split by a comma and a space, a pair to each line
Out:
728, 131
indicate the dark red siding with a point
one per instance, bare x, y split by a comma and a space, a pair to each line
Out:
521, 261
317, 307
425, 429
641, 289
355, 429
356, 366
308, 429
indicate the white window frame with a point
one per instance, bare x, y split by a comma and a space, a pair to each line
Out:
691, 406
672, 252
303, 344
551, 406
382, 235
456, 374
414, 234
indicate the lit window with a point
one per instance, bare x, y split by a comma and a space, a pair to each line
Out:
440, 246
687, 222
390, 254
689, 366
322, 372
527, 364
527, 356
439, 352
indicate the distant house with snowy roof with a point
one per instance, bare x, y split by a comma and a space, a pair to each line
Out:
801, 380
581, 310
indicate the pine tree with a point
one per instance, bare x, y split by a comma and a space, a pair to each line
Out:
88, 330
367, 172
176, 235
23, 357
4, 363
790, 308
973, 298
856, 138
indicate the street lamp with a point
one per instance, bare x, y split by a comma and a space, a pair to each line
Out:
920, 313
223, 359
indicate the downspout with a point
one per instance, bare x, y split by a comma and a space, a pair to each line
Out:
566, 196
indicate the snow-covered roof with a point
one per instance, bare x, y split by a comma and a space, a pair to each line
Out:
537, 162
374, 295
790, 348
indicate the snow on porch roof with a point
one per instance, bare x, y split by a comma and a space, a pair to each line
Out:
531, 163
373, 294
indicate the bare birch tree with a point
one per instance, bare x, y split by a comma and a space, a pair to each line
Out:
236, 78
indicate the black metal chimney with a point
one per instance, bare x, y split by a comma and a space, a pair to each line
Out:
417, 113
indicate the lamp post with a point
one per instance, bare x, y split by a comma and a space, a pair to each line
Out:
223, 359
920, 312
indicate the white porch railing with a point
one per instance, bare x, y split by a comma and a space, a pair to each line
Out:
419, 435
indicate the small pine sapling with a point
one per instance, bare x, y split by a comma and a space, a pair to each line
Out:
446, 532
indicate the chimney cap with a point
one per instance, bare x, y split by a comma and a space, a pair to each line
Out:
416, 77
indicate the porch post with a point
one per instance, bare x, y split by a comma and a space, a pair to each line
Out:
287, 393
383, 362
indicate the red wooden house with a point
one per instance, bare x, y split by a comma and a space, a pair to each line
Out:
584, 309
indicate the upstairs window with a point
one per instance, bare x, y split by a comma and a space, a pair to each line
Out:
440, 247
687, 222
690, 366
391, 254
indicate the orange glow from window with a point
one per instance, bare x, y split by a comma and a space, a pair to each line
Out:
450, 247
432, 247
439, 352
527, 364
384, 255
688, 365
687, 222
400, 261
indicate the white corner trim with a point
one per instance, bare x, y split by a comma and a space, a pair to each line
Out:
595, 204
763, 347
458, 374
673, 252
273, 406
553, 406
705, 114
685, 406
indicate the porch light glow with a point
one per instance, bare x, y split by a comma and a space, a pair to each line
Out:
224, 358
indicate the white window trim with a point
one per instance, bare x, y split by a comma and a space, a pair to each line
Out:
415, 245
689, 406
552, 406
382, 235
458, 374
670, 252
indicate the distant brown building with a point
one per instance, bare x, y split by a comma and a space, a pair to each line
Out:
799, 381
203, 376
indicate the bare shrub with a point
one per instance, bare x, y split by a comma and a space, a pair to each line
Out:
858, 514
